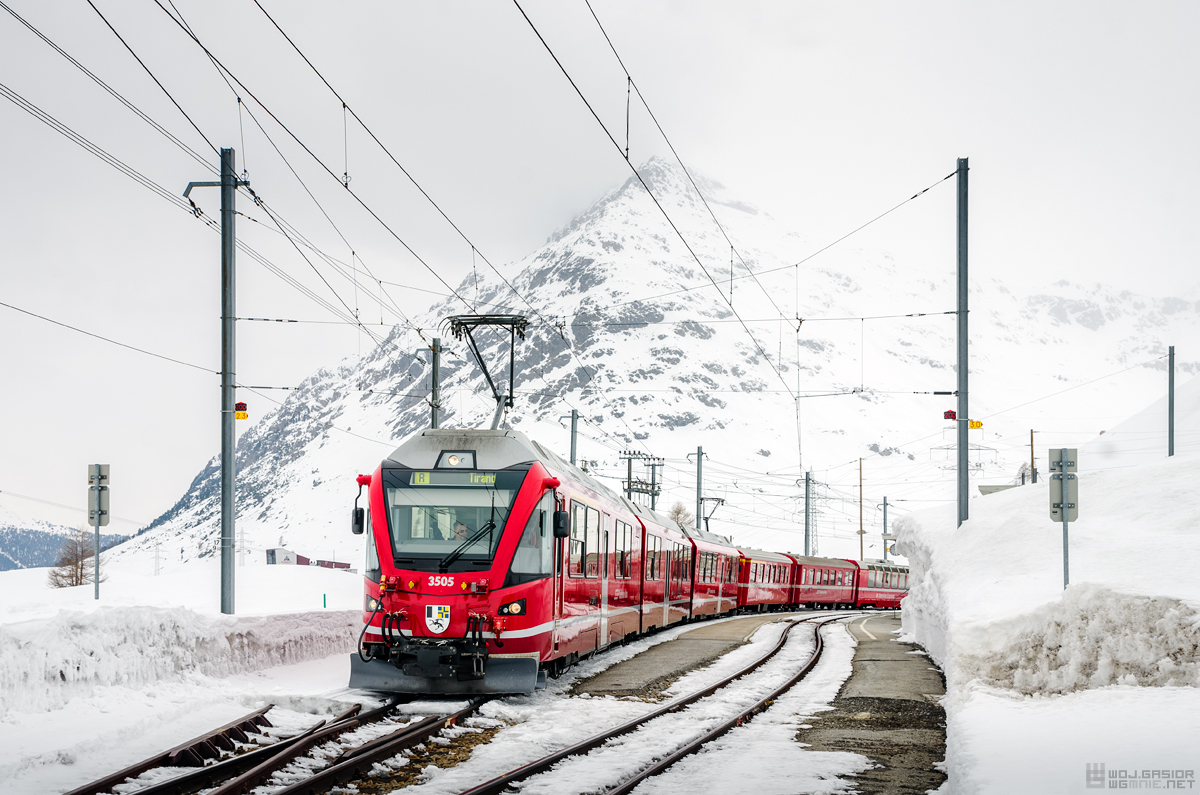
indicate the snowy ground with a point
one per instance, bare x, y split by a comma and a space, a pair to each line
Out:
547, 721
60, 737
1042, 682
88, 687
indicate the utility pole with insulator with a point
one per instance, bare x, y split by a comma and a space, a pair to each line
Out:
229, 184
807, 514
1171, 401
435, 384
963, 406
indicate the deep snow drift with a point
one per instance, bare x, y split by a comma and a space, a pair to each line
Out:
1041, 682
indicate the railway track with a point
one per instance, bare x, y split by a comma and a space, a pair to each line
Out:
501, 783
240, 774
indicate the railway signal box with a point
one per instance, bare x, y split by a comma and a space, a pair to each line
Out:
1063, 463
98, 493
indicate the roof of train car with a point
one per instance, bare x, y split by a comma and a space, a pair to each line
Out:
827, 562
875, 563
711, 538
762, 554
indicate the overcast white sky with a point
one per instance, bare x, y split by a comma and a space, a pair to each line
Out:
1080, 120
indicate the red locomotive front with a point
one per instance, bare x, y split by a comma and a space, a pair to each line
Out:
460, 564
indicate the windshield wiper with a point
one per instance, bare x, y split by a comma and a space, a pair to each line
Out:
445, 562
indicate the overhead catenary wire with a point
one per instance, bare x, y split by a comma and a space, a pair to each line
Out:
155, 79
703, 200
348, 108
649, 192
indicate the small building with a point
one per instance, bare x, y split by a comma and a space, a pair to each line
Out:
281, 556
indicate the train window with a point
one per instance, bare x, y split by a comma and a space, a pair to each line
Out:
371, 570
593, 549
578, 539
623, 550
534, 556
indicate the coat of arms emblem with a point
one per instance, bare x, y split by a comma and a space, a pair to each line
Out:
437, 618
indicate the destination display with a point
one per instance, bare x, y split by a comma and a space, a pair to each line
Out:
442, 478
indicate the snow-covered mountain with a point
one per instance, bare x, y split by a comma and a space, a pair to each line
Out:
30, 543
661, 353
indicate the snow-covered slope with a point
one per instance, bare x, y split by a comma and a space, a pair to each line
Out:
1038, 677
627, 327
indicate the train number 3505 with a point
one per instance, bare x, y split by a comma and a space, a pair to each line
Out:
446, 582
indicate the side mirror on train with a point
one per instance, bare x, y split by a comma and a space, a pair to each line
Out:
562, 524
357, 519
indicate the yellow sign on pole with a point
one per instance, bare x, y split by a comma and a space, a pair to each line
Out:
974, 424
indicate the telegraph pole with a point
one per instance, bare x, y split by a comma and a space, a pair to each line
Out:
228, 370
963, 410
1171, 401
574, 433
861, 531
229, 184
435, 389
1032, 464
807, 514
885, 532
699, 485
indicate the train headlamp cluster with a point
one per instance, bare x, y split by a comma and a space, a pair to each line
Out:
456, 459
516, 608
373, 604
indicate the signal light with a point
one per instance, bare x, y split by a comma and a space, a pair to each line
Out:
239, 411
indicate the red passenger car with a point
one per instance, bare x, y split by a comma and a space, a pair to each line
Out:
764, 582
824, 583
880, 583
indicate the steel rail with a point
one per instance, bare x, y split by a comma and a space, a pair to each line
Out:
356, 763
500, 783
207, 777
191, 753
658, 767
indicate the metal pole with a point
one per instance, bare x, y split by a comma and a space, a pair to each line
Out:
699, 485
885, 529
435, 388
574, 432
963, 407
228, 313
1062, 469
1171, 401
96, 521
653, 485
861, 532
1032, 465
807, 514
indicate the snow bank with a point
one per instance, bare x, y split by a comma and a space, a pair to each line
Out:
46, 663
987, 602
1093, 638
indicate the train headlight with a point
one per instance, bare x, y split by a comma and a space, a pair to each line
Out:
516, 608
373, 604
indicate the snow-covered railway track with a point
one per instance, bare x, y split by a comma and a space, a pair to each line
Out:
501, 783
244, 772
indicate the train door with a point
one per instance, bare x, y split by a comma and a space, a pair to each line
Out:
605, 569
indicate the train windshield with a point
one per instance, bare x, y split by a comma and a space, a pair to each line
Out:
448, 521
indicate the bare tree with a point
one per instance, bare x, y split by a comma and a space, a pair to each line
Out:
680, 515
75, 565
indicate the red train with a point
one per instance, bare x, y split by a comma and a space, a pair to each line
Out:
492, 563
